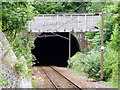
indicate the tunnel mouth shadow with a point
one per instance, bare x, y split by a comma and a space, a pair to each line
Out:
52, 49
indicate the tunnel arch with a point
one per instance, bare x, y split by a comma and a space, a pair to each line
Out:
51, 49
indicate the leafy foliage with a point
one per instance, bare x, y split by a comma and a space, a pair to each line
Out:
4, 82
115, 38
36, 81
110, 11
90, 63
110, 64
59, 7
22, 46
15, 16
14, 20
95, 7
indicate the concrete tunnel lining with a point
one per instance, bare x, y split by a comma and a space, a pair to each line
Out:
54, 50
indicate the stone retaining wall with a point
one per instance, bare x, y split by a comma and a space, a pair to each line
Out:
7, 61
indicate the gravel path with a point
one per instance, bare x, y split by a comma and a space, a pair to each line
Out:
81, 80
59, 80
44, 82
71, 74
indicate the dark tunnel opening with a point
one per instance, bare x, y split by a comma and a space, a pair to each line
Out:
52, 49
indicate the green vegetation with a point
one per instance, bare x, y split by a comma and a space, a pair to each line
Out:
36, 81
14, 20
59, 7
22, 46
90, 61
110, 19
4, 82
16, 14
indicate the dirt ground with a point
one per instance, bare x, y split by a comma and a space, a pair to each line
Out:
81, 81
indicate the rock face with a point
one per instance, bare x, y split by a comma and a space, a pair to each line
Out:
7, 61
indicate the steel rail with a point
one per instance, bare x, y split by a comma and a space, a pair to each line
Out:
67, 79
50, 79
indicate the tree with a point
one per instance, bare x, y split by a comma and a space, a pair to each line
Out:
109, 12
115, 37
59, 7
15, 16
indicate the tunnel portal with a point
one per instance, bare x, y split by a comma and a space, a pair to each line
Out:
53, 49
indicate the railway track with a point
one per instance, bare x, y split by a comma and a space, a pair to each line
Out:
58, 79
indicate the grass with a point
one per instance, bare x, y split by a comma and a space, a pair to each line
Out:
112, 83
79, 71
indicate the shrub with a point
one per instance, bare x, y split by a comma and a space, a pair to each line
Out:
22, 46
110, 64
90, 63
4, 82
15, 16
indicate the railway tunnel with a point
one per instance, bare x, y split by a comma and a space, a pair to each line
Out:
53, 49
